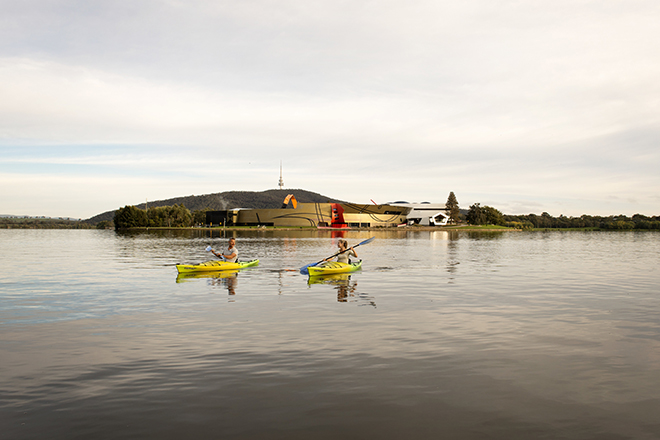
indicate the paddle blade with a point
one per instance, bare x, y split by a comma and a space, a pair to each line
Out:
208, 248
368, 240
304, 271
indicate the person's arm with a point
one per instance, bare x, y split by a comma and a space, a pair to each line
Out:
354, 253
222, 257
329, 258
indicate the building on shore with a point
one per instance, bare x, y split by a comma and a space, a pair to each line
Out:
321, 215
425, 213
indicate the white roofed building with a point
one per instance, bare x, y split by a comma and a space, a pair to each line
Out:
425, 213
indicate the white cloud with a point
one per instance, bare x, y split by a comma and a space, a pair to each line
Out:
517, 103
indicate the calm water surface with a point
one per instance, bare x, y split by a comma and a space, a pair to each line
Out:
458, 336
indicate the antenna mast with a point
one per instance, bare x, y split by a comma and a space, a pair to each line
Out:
281, 181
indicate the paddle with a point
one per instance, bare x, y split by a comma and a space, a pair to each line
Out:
209, 249
304, 271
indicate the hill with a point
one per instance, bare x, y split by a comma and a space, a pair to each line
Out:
269, 199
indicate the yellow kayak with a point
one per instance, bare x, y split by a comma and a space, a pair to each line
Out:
332, 267
214, 265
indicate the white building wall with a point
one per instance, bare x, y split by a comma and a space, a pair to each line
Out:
425, 214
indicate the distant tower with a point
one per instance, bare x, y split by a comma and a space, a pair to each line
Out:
281, 181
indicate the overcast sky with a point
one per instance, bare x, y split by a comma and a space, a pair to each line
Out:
525, 106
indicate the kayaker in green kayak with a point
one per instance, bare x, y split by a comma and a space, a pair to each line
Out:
229, 255
346, 252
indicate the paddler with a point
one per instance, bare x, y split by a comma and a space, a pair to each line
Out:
346, 252
230, 254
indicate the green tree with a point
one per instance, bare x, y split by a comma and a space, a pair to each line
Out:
492, 216
157, 216
130, 217
199, 216
175, 216
452, 207
475, 215
179, 216
104, 224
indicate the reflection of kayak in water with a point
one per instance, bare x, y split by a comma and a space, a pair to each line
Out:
183, 277
334, 267
341, 279
214, 265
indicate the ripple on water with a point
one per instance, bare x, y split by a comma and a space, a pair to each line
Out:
462, 336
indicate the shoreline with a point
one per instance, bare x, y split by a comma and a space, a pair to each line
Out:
489, 228
466, 228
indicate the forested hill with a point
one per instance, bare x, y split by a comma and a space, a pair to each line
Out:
269, 199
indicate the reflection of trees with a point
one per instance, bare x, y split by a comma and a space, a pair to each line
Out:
485, 235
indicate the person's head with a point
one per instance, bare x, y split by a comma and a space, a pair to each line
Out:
342, 243
232, 242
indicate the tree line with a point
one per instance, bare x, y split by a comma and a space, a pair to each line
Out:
612, 222
41, 223
175, 216
487, 215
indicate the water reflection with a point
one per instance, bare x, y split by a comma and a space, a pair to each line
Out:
439, 235
346, 288
220, 233
225, 278
485, 234
551, 335
452, 256
220, 274
230, 283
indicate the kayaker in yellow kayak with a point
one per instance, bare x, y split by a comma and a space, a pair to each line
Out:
346, 252
229, 255
342, 265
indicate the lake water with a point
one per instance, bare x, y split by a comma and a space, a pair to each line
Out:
512, 335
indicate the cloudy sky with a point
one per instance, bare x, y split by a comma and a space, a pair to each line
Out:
525, 106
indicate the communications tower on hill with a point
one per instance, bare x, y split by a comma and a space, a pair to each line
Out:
281, 181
